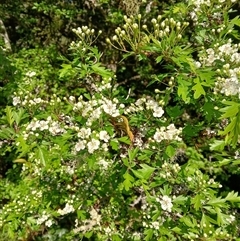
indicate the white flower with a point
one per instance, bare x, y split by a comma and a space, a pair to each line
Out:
30, 73
96, 113
95, 216
16, 100
103, 135
80, 145
93, 145
55, 128
166, 203
70, 170
42, 219
33, 125
110, 108
43, 125
84, 133
67, 209
158, 111
103, 163
37, 100
49, 223
155, 225
158, 136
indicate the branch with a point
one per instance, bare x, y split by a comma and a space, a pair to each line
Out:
4, 34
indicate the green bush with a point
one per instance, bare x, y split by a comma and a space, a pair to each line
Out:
137, 152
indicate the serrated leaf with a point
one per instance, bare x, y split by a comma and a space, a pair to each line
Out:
236, 21
114, 145
187, 221
218, 202
229, 127
125, 139
174, 111
132, 154
9, 115
198, 89
98, 69
177, 230
232, 197
217, 145
145, 172
128, 181
196, 201
180, 199
116, 237
149, 234
230, 111
221, 218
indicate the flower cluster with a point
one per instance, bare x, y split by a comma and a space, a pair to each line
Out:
22, 204
166, 27
88, 224
28, 99
131, 33
200, 180
166, 203
226, 53
229, 71
86, 36
67, 209
44, 219
54, 127
169, 170
169, 133
200, 7
145, 103
136, 35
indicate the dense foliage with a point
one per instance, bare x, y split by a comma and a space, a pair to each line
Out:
120, 120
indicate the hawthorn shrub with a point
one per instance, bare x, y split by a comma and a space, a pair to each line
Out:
87, 157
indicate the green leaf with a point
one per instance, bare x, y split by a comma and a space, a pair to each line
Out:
174, 111
187, 220
196, 201
177, 230
232, 197
114, 144
230, 127
183, 89
230, 111
209, 111
159, 59
221, 218
116, 237
198, 89
125, 139
236, 21
170, 151
100, 70
20, 115
41, 156
132, 153
180, 199
144, 173
217, 145
149, 234
66, 70
218, 202
88, 234
128, 181
9, 115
